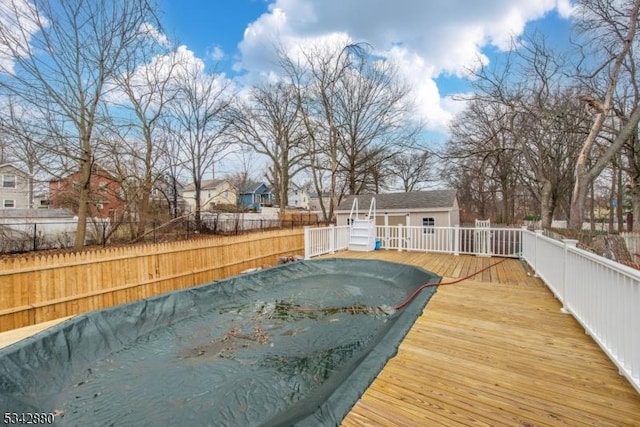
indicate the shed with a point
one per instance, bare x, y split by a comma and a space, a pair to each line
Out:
433, 208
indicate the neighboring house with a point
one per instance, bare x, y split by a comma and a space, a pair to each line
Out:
298, 198
435, 208
254, 194
314, 201
213, 192
15, 187
105, 194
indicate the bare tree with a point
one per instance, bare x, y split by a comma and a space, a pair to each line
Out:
372, 105
198, 122
481, 135
148, 88
58, 59
270, 124
315, 75
611, 28
413, 168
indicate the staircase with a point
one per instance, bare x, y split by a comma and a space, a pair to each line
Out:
362, 234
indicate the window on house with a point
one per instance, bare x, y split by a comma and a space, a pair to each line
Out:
427, 225
9, 204
9, 181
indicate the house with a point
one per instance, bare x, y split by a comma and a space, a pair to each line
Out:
314, 201
254, 194
15, 187
105, 197
298, 198
435, 208
213, 192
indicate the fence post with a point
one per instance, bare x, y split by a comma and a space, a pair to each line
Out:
535, 253
568, 243
523, 229
307, 242
332, 239
400, 238
456, 240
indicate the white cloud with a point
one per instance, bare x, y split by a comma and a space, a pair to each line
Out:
216, 53
427, 38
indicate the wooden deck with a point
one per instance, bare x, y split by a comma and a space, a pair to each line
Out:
493, 350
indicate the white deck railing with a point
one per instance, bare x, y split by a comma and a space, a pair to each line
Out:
602, 295
504, 242
325, 240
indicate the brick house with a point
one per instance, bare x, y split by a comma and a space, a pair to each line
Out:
105, 195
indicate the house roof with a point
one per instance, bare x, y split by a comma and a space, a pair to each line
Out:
250, 187
96, 170
403, 201
13, 166
207, 184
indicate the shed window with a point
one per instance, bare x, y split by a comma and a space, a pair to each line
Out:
427, 225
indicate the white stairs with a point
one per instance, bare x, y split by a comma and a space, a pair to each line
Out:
362, 234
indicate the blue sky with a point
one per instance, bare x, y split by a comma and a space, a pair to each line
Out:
433, 41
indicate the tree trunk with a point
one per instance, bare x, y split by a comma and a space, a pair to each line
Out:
546, 204
86, 165
620, 205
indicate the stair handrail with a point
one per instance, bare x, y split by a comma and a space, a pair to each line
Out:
372, 208
354, 206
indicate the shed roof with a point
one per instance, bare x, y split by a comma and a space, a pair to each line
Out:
414, 200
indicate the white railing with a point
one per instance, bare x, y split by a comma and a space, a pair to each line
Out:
324, 240
602, 295
504, 242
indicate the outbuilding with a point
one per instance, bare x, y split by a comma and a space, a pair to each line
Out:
433, 208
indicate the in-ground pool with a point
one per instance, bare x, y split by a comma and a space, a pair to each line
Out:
295, 344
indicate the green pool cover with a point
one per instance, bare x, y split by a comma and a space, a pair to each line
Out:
296, 344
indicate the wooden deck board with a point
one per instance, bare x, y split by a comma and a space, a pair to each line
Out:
493, 350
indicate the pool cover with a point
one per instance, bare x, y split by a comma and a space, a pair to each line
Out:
291, 345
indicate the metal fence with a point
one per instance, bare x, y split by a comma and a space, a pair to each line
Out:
23, 236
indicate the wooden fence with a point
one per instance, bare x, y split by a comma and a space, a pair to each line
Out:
38, 289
